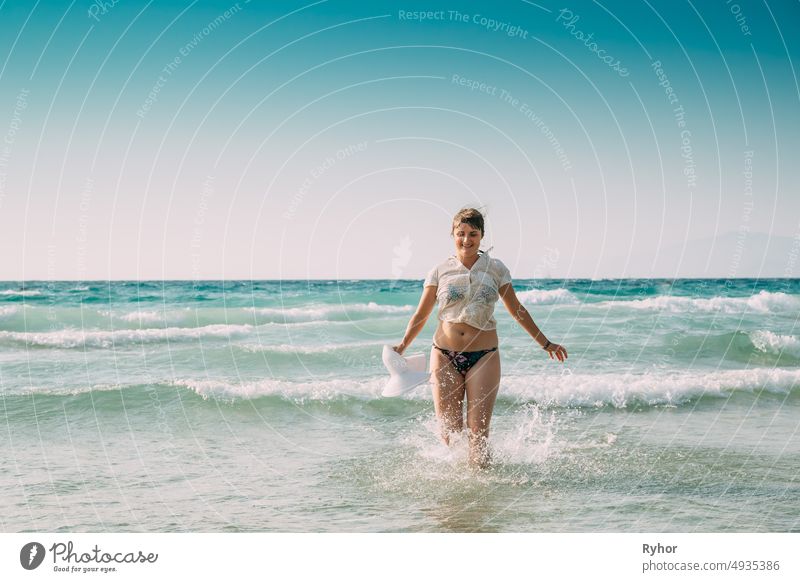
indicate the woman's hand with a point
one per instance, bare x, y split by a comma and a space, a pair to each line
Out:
400, 348
557, 351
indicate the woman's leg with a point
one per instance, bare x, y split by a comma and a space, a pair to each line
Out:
448, 394
482, 384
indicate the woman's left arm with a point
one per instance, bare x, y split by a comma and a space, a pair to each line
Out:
521, 315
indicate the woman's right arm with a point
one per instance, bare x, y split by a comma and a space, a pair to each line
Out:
420, 317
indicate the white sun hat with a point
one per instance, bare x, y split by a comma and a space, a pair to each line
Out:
407, 373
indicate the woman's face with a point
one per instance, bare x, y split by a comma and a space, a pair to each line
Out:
467, 239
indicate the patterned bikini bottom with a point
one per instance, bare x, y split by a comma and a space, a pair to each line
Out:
463, 361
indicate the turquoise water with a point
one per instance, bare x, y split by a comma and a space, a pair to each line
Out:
255, 406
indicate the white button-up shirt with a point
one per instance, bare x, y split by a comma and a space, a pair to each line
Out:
468, 295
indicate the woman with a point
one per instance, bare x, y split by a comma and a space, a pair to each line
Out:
464, 358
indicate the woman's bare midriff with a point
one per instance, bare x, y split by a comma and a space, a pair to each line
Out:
462, 337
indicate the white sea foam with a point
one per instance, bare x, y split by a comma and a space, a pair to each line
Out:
323, 312
562, 390
306, 349
72, 338
135, 316
547, 296
62, 389
311, 390
143, 316
620, 390
541, 390
773, 343
763, 302
22, 293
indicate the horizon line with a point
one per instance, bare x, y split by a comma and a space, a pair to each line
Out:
670, 278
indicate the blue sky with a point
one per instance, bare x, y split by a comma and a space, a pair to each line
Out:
332, 139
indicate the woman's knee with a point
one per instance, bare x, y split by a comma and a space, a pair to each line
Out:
478, 425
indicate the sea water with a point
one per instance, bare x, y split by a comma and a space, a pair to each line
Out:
222, 406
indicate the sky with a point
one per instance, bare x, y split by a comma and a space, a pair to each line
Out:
337, 139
